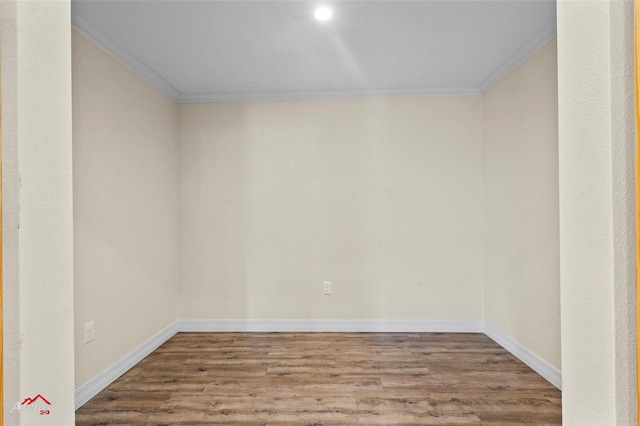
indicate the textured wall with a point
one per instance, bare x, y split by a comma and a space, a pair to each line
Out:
380, 196
37, 191
10, 208
125, 208
521, 213
597, 249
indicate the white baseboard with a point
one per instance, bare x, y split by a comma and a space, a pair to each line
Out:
97, 383
536, 363
381, 326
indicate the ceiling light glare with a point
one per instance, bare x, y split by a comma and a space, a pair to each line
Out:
323, 14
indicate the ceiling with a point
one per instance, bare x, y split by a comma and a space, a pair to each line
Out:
212, 51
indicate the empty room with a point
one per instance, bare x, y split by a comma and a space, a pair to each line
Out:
298, 212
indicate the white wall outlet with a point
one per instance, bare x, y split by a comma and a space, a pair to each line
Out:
326, 288
89, 332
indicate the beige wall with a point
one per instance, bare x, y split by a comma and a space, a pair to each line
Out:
521, 216
125, 208
35, 44
597, 200
380, 196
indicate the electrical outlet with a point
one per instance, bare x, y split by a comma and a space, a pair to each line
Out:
89, 332
326, 288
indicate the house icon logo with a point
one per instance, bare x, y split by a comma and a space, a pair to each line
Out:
38, 403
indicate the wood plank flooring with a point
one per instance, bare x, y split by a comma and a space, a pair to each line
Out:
327, 379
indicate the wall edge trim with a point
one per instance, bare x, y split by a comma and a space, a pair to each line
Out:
524, 52
103, 379
189, 98
537, 364
143, 70
100, 381
149, 74
379, 326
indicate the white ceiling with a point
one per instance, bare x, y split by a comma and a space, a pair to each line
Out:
207, 51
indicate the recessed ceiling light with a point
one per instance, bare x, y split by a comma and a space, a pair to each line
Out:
323, 14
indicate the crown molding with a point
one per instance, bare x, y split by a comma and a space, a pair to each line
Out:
154, 78
330, 94
151, 76
527, 49
121, 54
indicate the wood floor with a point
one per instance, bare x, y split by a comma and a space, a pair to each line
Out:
327, 379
